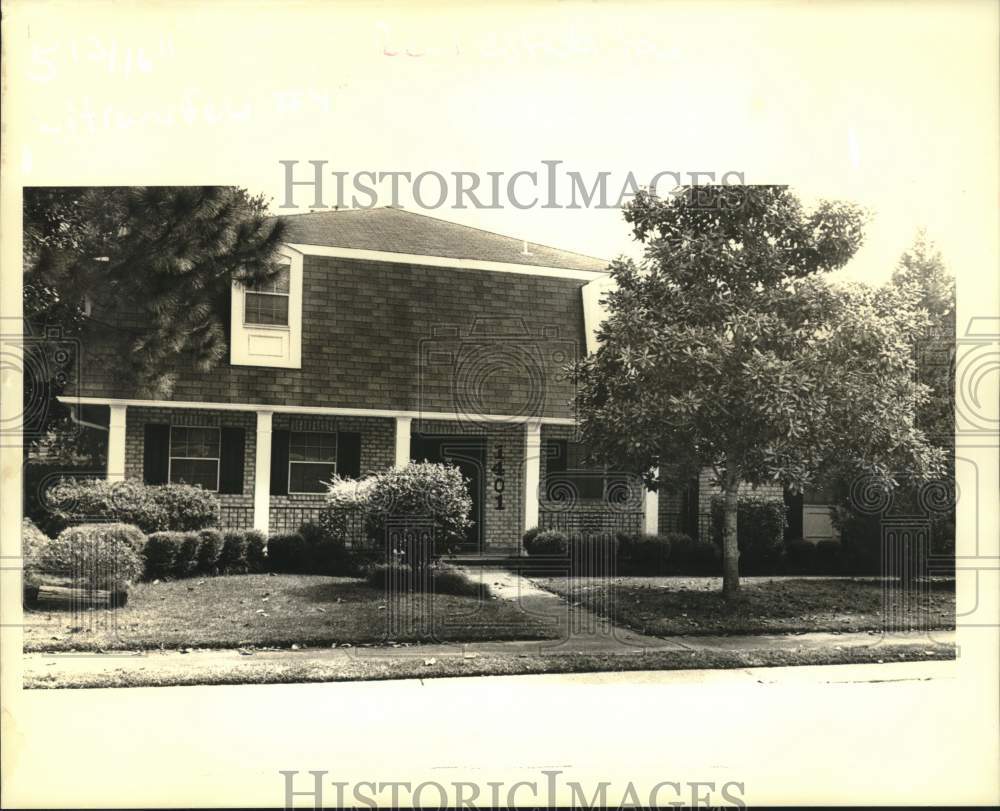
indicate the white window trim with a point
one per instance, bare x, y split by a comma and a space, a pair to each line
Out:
216, 459
241, 332
291, 462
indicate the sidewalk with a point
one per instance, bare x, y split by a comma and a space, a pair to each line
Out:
587, 643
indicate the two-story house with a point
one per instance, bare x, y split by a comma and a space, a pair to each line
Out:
391, 336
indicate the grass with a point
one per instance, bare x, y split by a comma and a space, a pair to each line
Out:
685, 606
275, 610
289, 669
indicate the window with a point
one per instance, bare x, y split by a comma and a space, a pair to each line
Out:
312, 460
267, 303
568, 478
194, 456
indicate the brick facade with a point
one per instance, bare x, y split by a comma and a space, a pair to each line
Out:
380, 335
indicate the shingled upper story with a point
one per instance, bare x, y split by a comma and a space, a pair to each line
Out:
389, 336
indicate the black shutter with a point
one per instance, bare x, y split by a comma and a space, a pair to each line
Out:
156, 453
556, 453
349, 454
690, 525
231, 461
279, 463
793, 508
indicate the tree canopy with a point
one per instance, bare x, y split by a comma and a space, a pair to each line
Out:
152, 265
725, 347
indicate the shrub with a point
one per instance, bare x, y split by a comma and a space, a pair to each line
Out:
91, 557
152, 508
162, 553
33, 540
800, 556
425, 492
829, 559
400, 578
645, 554
760, 531
233, 559
187, 555
592, 554
256, 550
529, 536
184, 507
326, 554
549, 542
345, 509
209, 551
287, 552
693, 557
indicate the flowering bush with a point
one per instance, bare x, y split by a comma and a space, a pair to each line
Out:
430, 504
345, 508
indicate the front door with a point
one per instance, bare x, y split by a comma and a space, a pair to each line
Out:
468, 454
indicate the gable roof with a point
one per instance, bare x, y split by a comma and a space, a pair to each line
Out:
396, 230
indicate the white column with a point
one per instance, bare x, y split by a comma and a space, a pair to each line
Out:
532, 472
652, 507
403, 441
262, 474
116, 444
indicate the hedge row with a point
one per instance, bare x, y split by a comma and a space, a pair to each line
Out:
208, 552
678, 554
152, 508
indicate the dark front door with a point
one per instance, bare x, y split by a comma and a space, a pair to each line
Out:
468, 454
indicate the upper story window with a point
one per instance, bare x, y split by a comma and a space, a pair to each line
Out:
194, 456
266, 319
312, 460
267, 303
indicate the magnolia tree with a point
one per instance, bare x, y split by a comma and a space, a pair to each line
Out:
725, 348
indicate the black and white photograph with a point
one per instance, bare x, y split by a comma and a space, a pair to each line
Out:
579, 404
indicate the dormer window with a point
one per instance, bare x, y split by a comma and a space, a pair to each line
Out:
266, 321
267, 303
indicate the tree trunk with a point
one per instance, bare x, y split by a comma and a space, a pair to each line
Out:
730, 548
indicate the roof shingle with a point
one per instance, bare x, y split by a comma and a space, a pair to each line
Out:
399, 231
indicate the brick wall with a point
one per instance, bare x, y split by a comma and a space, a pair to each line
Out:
403, 337
237, 510
378, 447
501, 522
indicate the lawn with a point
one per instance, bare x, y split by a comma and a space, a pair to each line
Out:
663, 606
275, 610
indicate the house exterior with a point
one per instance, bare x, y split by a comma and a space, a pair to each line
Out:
388, 337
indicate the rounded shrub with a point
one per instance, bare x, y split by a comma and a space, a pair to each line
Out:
326, 554
162, 553
760, 531
233, 559
689, 556
343, 516
186, 563
593, 554
91, 557
287, 552
209, 551
32, 542
428, 493
256, 550
646, 554
549, 542
184, 508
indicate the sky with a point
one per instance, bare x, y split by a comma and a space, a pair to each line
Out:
890, 105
